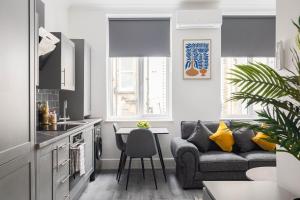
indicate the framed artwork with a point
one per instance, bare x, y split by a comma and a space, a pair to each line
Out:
196, 59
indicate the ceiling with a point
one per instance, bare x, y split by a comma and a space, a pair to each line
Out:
258, 6
138, 1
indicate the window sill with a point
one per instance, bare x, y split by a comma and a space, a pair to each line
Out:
242, 118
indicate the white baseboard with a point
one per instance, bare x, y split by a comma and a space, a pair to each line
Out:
136, 163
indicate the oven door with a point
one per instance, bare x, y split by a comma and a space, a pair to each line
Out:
77, 142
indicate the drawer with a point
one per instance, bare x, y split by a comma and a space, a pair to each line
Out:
61, 153
61, 182
62, 189
61, 172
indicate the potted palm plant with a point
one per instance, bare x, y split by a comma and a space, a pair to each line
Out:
279, 96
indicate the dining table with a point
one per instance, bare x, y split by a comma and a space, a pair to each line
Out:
156, 132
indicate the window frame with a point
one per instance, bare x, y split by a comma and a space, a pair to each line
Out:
250, 109
140, 99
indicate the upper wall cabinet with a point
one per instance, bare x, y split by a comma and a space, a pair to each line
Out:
58, 70
40, 10
79, 102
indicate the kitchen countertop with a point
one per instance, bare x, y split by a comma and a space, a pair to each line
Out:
44, 138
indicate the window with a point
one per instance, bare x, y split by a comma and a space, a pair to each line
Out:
140, 88
244, 39
139, 69
234, 109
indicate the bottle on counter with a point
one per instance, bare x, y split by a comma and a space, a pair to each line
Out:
53, 118
45, 113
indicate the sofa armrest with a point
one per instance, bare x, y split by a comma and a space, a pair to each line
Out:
186, 156
185, 152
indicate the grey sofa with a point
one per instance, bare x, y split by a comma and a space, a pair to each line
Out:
193, 166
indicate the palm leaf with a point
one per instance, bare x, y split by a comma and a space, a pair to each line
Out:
297, 25
259, 79
260, 84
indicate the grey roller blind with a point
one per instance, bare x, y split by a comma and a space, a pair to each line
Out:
139, 37
244, 36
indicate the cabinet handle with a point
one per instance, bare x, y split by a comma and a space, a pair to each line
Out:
67, 196
57, 153
64, 82
65, 179
62, 146
63, 163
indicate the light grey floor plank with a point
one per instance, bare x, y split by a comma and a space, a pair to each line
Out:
105, 187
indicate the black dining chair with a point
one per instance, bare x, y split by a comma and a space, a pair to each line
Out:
122, 147
140, 144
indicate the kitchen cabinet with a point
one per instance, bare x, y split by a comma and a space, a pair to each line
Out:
40, 9
53, 168
53, 171
88, 136
44, 174
58, 70
79, 101
17, 177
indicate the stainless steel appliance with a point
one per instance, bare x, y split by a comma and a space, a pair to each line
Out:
75, 140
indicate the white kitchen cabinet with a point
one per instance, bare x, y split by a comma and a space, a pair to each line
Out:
57, 71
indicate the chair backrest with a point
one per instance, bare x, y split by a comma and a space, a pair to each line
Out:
140, 144
119, 140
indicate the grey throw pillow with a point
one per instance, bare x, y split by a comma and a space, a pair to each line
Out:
200, 137
243, 140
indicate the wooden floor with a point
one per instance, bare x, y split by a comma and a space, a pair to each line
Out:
105, 187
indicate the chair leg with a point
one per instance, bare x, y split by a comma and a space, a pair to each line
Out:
143, 168
122, 166
154, 176
119, 168
128, 173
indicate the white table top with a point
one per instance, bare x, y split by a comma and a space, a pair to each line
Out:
262, 174
247, 190
126, 131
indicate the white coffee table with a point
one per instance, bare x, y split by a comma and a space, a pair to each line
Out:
245, 190
262, 174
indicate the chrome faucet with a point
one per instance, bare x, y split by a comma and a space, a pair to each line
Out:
65, 118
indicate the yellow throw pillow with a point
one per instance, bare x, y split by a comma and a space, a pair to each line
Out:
259, 139
223, 137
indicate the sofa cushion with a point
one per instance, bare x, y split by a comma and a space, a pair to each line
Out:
213, 126
200, 137
260, 158
243, 139
260, 140
187, 128
223, 137
222, 161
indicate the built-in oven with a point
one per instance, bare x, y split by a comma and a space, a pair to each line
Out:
76, 156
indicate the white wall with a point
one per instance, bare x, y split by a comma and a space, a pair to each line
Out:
56, 15
285, 31
192, 100
288, 168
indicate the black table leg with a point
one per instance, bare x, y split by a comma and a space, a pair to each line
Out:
160, 156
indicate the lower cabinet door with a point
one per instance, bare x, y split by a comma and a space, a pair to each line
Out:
44, 176
89, 149
16, 180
